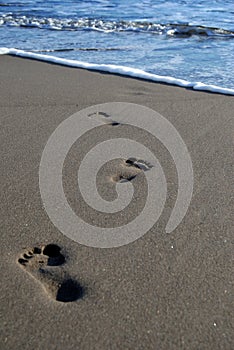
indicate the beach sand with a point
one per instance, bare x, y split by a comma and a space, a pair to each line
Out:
163, 291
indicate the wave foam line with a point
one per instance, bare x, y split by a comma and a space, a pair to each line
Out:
107, 26
121, 70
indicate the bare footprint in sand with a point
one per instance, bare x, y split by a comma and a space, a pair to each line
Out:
106, 118
44, 264
139, 163
130, 168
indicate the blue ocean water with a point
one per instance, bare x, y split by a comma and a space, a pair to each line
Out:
184, 39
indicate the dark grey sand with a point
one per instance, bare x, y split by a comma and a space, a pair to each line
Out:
164, 291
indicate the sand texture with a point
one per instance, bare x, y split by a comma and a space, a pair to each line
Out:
163, 291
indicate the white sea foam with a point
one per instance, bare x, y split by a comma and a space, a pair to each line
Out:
107, 26
122, 70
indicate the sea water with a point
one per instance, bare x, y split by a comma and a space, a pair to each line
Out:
184, 42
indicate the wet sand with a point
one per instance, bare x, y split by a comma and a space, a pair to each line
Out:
164, 291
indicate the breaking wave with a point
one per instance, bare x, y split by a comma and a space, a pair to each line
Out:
168, 29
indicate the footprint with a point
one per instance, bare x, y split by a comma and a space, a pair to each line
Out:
124, 176
139, 163
44, 264
104, 117
125, 172
130, 168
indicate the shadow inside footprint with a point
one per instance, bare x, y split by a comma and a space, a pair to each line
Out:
139, 163
53, 252
43, 263
114, 123
69, 290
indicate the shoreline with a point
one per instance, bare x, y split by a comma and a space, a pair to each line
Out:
120, 70
163, 291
